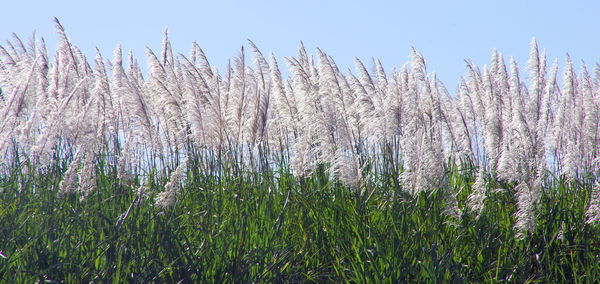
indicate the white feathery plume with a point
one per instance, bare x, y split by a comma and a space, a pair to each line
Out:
525, 215
262, 66
475, 93
395, 86
494, 68
6, 57
201, 108
475, 111
348, 145
438, 96
162, 98
504, 93
199, 55
125, 158
410, 158
301, 163
434, 100
514, 140
194, 112
65, 50
69, 183
284, 105
365, 77
167, 51
53, 80
70, 179
477, 196
382, 80
325, 120
17, 97
363, 108
81, 175
578, 110
303, 158
461, 124
563, 132
535, 77
54, 126
198, 104
236, 99
546, 108
261, 97
592, 213
346, 169
432, 171
156, 68
463, 137
12, 111
167, 198
389, 113
87, 176
134, 73
82, 61
42, 69
415, 141
570, 160
506, 163
493, 128
101, 89
20, 49
28, 132
117, 82
591, 122
523, 137
304, 61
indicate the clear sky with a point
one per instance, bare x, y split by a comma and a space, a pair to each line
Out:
446, 32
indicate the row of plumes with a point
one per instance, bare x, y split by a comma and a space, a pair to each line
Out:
518, 128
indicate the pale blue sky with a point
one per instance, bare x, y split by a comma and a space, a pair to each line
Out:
446, 32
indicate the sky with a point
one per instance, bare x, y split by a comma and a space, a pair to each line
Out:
446, 32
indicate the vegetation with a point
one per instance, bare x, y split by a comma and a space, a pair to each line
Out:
195, 176
272, 227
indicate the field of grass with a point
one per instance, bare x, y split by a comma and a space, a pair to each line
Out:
187, 174
272, 227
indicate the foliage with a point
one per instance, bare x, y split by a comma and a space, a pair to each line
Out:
187, 174
272, 227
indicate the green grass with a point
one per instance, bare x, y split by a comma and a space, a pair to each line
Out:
272, 227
